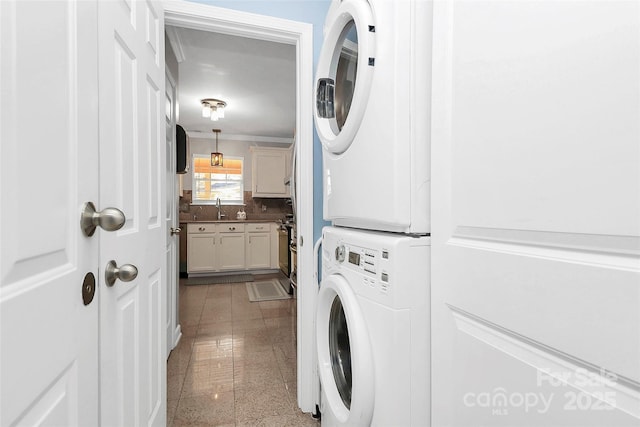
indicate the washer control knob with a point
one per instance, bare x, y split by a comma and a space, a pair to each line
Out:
340, 255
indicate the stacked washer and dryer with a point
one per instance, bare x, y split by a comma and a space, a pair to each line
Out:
373, 91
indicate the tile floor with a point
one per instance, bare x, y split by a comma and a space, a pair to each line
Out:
236, 362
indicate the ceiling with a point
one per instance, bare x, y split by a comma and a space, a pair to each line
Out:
255, 78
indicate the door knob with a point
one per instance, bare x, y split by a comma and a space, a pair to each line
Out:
175, 231
109, 219
124, 273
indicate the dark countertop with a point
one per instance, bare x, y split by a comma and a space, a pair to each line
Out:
222, 221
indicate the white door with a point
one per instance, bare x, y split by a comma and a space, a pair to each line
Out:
48, 169
171, 212
536, 213
133, 179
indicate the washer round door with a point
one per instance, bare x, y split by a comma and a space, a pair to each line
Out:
344, 74
345, 361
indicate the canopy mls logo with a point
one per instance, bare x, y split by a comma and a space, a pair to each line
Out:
500, 401
587, 391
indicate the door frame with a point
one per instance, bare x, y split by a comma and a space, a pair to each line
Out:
260, 27
173, 276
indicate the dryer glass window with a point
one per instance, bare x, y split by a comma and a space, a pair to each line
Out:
346, 72
340, 351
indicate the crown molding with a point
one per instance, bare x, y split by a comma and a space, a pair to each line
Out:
176, 43
238, 137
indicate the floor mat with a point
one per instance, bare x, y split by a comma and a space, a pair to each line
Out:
214, 280
266, 290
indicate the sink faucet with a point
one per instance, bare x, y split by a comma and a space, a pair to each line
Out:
220, 214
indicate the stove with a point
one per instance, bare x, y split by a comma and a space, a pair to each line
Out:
284, 252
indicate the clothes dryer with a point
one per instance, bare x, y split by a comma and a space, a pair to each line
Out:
372, 329
373, 115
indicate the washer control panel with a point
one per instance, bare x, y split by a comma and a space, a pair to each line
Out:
384, 268
371, 263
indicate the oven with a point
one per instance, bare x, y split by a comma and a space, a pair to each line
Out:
293, 278
284, 253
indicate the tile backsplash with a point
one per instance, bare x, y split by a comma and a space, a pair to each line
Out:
256, 209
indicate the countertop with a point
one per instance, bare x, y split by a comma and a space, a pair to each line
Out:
224, 221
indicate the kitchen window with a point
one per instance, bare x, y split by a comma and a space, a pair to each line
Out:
212, 182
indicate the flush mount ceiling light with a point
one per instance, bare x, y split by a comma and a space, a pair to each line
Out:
213, 108
216, 157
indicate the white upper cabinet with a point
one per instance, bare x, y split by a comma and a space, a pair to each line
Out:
270, 168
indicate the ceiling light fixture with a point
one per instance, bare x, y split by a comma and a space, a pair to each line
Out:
216, 157
206, 111
213, 108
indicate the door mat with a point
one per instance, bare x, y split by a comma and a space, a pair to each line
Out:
266, 290
215, 280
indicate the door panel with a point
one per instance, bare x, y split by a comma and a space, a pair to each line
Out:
536, 229
132, 172
48, 75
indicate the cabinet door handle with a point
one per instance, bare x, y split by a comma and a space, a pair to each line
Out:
200, 228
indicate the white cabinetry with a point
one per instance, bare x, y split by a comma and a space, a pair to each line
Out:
270, 168
201, 248
258, 245
231, 248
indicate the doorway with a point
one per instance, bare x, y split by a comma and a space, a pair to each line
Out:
229, 22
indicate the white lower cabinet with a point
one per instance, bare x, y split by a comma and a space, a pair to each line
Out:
217, 247
258, 245
231, 253
201, 248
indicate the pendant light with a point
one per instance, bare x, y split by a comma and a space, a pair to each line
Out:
216, 157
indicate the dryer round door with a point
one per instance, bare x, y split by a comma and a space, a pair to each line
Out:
344, 74
345, 361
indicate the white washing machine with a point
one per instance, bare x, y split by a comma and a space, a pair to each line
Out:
372, 329
373, 115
